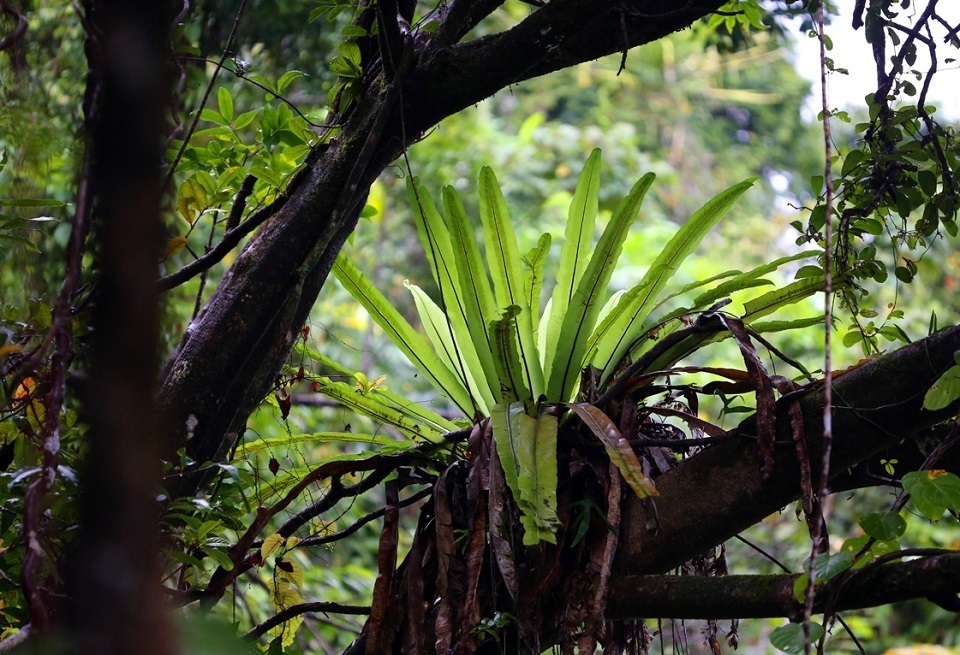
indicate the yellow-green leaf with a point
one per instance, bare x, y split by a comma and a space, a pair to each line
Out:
618, 449
271, 544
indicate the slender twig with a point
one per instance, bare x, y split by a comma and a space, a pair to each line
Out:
760, 550
17, 638
243, 76
206, 94
225, 245
372, 516
817, 529
60, 334
18, 31
304, 608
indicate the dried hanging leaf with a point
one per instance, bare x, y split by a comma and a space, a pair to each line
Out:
446, 549
174, 245
618, 448
380, 638
766, 403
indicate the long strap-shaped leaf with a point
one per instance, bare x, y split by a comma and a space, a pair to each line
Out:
739, 281
580, 316
743, 280
613, 336
527, 450
402, 334
505, 419
754, 309
504, 261
503, 336
464, 360
320, 437
533, 276
618, 448
475, 288
575, 252
368, 405
537, 477
412, 410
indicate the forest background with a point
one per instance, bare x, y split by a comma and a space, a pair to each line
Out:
704, 108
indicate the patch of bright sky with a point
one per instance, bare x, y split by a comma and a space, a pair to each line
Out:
851, 51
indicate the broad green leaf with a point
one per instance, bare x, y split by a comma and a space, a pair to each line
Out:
533, 276
618, 449
506, 354
580, 315
829, 565
414, 346
412, 410
576, 250
933, 492
462, 361
291, 571
614, 336
944, 391
218, 556
883, 526
537, 477
505, 420
225, 103
318, 437
876, 549
475, 290
800, 587
288, 78
789, 638
503, 257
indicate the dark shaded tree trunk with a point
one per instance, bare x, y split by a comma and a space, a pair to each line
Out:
113, 572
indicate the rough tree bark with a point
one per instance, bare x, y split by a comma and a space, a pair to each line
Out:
720, 492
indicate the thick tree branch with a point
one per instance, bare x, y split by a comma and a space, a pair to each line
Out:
230, 239
460, 17
765, 596
712, 497
563, 33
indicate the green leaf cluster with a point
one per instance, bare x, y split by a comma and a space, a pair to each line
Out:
490, 350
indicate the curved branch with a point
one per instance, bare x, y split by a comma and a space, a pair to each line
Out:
372, 516
230, 239
768, 596
563, 33
18, 31
304, 608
